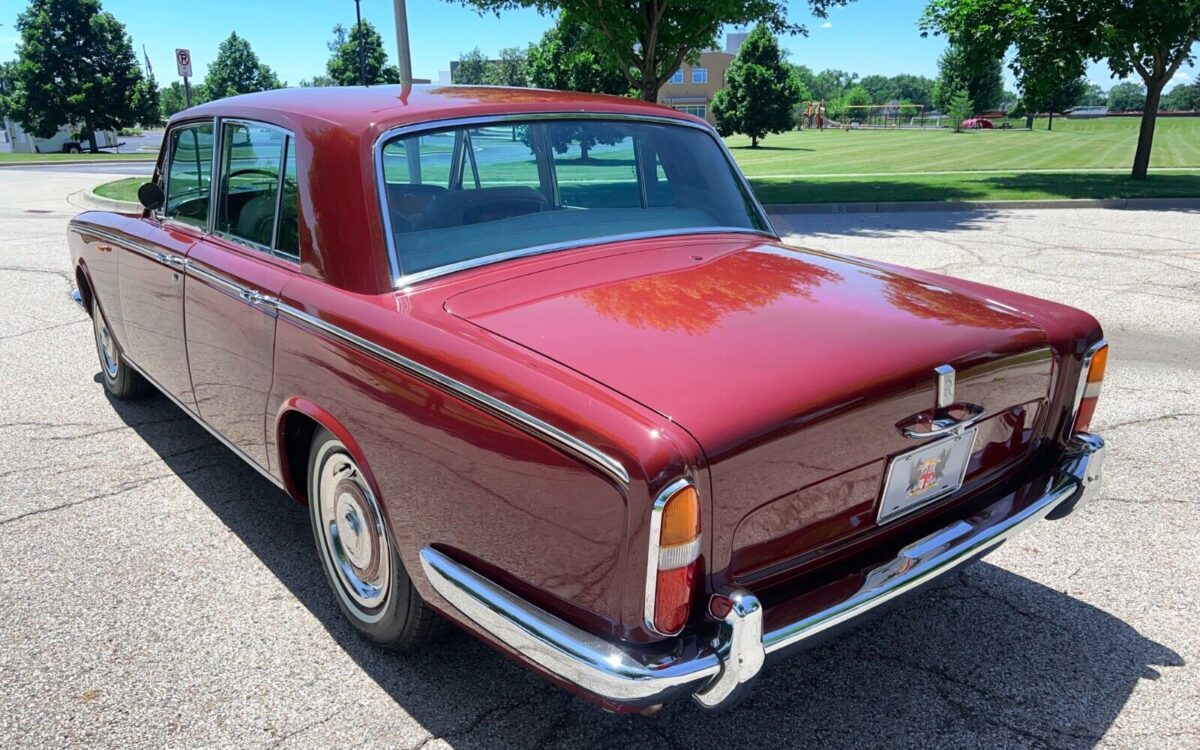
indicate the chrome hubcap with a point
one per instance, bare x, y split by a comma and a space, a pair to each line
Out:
353, 535
106, 346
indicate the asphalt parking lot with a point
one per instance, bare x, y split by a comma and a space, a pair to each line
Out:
154, 591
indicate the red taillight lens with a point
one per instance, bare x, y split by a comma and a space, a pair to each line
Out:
1090, 395
674, 559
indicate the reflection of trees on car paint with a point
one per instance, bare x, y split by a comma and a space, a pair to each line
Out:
695, 300
932, 302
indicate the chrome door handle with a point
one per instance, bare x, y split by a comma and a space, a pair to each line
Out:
258, 300
945, 425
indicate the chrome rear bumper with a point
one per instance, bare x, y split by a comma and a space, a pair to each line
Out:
716, 670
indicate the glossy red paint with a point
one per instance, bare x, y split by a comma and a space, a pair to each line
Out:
773, 378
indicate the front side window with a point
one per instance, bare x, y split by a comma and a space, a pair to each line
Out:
189, 174
461, 195
699, 75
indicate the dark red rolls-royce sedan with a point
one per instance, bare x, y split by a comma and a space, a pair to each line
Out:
539, 366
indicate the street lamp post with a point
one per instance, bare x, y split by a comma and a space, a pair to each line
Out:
362, 66
404, 60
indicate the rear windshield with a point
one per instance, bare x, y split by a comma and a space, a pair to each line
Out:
461, 195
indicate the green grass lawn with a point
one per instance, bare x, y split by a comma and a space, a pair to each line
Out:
121, 190
876, 165
14, 158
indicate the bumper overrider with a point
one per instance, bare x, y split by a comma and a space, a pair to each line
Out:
715, 670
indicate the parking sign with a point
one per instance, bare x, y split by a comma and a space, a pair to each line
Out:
183, 61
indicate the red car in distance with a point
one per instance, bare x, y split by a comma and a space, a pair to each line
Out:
538, 365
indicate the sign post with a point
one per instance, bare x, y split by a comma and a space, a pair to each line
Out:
183, 63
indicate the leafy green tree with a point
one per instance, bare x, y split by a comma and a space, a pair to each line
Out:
977, 70
76, 66
1183, 98
563, 60
510, 69
342, 67
1092, 96
1152, 38
650, 39
237, 70
832, 84
912, 88
806, 78
959, 107
880, 89
760, 91
8, 82
173, 99
857, 96
1127, 96
321, 81
472, 68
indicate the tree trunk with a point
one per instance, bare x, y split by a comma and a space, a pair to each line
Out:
1141, 159
1050, 124
648, 88
91, 136
754, 141
1029, 122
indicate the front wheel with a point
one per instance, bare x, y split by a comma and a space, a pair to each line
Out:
358, 555
119, 378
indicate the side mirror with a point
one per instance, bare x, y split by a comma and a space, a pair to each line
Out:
151, 195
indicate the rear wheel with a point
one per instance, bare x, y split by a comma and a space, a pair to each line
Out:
358, 555
119, 379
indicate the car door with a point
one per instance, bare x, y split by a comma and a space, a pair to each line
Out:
235, 276
151, 263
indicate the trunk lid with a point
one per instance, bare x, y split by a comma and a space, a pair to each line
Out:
790, 368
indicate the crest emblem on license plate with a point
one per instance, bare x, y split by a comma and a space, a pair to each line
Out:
927, 474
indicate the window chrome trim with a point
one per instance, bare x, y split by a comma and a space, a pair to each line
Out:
566, 442
169, 159
652, 555
219, 178
401, 280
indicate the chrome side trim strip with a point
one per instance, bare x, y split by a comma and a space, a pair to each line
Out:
211, 430
619, 674
547, 432
652, 555
128, 242
402, 280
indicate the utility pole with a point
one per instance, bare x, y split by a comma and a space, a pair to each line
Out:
403, 60
362, 66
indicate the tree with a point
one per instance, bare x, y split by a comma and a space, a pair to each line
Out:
832, 84
1092, 96
857, 96
472, 68
1183, 98
958, 108
173, 99
880, 89
237, 70
911, 88
509, 70
8, 82
317, 82
1152, 38
760, 92
1127, 96
976, 69
76, 66
343, 63
650, 39
562, 60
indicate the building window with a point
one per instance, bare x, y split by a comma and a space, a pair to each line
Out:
677, 78
699, 75
698, 110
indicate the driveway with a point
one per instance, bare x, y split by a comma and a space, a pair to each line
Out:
155, 591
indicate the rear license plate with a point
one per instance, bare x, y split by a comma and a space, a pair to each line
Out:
919, 477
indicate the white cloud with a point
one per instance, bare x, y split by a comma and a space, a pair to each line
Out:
827, 25
1180, 77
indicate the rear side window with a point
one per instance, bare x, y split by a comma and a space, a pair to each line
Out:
190, 173
251, 161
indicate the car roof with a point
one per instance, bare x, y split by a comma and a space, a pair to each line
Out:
362, 109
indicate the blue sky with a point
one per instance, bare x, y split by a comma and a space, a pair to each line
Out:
868, 36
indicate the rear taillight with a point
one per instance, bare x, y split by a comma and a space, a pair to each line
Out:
674, 558
1091, 377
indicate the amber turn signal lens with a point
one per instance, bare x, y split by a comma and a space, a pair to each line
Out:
1091, 389
680, 518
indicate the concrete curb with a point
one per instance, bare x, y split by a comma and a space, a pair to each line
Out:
69, 162
1132, 204
89, 200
